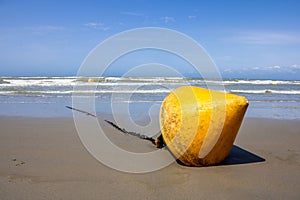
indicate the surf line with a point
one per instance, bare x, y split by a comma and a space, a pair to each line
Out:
158, 142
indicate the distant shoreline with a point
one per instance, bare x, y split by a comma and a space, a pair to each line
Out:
136, 77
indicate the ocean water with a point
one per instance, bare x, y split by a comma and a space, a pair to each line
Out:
48, 96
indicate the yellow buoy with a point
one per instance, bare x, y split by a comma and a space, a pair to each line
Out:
91, 80
199, 125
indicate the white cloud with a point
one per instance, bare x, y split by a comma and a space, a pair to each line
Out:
268, 68
295, 66
227, 70
265, 37
97, 25
192, 16
168, 19
291, 68
288, 72
276, 67
92, 24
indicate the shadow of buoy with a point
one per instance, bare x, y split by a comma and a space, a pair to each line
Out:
237, 156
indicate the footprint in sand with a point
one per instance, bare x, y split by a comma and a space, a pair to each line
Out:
18, 163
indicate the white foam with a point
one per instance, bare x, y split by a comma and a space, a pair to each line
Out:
87, 92
38, 82
266, 91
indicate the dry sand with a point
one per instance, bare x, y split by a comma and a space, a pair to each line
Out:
44, 159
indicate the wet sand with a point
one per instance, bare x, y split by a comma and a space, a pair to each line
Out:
44, 159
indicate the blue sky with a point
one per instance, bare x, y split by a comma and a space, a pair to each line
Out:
248, 39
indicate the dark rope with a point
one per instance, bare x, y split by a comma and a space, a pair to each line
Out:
158, 142
141, 136
82, 111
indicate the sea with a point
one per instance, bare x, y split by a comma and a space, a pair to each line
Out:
49, 96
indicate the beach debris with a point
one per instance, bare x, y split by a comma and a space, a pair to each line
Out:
199, 126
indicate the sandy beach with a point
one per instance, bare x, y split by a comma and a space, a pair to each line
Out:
44, 159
